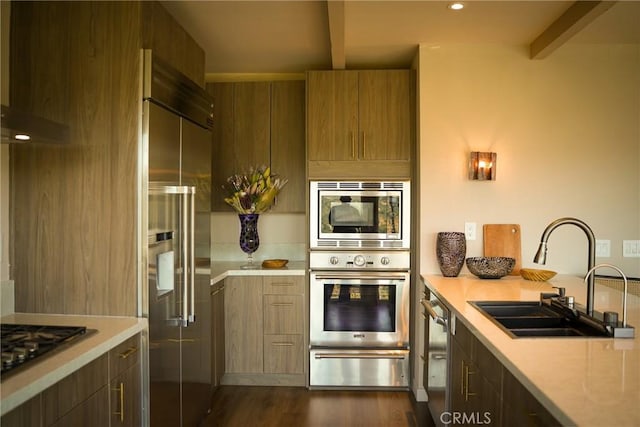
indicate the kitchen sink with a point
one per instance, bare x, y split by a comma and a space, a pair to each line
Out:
535, 319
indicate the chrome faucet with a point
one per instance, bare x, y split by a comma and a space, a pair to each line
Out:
591, 273
541, 255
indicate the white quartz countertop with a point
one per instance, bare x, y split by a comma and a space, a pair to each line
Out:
581, 381
220, 270
106, 333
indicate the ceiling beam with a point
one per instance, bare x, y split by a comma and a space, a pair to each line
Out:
335, 9
579, 15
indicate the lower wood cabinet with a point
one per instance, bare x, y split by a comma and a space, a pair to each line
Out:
264, 330
217, 333
483, 391
125, 383
106, 392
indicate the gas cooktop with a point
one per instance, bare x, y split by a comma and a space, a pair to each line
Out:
22, 344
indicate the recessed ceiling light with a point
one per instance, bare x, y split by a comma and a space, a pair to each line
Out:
456, 6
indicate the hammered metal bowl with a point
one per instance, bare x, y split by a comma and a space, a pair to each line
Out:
493, 267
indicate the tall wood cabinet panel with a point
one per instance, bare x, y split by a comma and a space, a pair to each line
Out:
217, 334
241, 132
360, 124
243, 324
255, 124
287, 143
79, 63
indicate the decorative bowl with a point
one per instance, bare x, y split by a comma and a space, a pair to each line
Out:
274, 263
536, 274
493, 267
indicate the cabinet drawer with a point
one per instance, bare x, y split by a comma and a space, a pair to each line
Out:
283, 314
124, 356
283, 354
59, 399
281, 285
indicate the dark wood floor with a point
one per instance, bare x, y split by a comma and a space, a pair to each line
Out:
299, 407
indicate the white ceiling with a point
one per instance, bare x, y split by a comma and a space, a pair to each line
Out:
293, 36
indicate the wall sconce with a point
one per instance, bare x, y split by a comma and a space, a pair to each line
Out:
482, 166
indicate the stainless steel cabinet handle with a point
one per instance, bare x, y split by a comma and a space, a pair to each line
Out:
381, 355
282, 304
438, 319
366, 276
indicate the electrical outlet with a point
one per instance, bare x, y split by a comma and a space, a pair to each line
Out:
470, 230
631, 248
603, 248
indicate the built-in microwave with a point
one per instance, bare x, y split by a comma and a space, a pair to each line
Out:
355, 214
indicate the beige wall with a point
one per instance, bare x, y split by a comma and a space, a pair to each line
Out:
281, 236
567, 133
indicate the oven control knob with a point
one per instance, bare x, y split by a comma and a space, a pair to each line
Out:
333, 260
385, 260
359, 261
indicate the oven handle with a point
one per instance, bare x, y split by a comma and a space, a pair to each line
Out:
365, 276
432, 313
368, 355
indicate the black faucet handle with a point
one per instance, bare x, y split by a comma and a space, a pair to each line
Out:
561, 290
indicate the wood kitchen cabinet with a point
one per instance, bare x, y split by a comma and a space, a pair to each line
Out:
476, 377
360, 123
124, 383
243, 322
264, 330
520, 408
259, 123
94, 395
217, 333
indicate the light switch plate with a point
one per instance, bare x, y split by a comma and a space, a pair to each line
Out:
631, 248
470, 230
603, 248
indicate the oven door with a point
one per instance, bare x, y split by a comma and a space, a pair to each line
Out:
359, 309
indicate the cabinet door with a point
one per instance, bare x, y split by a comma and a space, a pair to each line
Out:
222, 146
72, 391
283, 314
283, 354
243, 324
217, 334
126, 398
332, 115
385, 114
28, 414
241, 132
288, 143
92, 412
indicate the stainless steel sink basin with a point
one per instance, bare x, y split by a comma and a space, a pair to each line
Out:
534, 319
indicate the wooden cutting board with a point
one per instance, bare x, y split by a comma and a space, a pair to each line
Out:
503, 240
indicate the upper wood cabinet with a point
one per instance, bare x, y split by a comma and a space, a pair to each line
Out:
259, 123
360, 123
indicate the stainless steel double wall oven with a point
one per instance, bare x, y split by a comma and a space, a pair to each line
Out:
359, 283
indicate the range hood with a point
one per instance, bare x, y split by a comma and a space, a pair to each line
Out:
21, 127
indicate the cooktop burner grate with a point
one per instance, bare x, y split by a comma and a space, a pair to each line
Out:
22, 344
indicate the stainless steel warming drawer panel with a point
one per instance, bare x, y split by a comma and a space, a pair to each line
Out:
359, 368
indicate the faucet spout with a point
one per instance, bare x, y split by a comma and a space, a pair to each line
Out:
541, 254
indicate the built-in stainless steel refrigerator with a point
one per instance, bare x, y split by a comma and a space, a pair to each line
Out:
177, 116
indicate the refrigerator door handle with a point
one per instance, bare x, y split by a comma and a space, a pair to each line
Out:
191, 318
188, 258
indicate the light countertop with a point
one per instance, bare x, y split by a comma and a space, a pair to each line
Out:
220, 270
581, 381
106, 333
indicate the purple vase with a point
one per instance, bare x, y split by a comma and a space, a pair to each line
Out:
451, 250
249, 239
